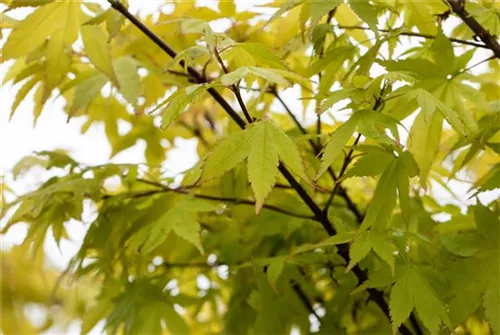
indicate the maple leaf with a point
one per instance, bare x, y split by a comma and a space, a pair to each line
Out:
180, 217
413, 291
263, 144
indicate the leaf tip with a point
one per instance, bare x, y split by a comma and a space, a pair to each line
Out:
258, 207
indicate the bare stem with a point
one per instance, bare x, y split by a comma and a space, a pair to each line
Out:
413, 34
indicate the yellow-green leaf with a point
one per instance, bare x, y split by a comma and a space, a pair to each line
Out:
262, 163
31, 32
337, 142
128, 78
97, 49
423, 142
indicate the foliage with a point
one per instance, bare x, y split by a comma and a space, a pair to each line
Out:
333, 227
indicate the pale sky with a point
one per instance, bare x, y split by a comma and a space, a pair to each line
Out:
18, 138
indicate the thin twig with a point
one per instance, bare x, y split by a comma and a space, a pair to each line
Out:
413, 34
305, 300
166, 189
474, 65
234, 88
343, 169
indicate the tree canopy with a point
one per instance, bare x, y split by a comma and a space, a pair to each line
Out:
325, 131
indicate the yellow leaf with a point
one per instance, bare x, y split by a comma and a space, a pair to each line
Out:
58, 60
31, 32
227, 7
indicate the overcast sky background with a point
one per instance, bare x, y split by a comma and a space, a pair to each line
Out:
19, 138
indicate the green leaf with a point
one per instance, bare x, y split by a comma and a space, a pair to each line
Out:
227, 154
359, 249
487, 223
333, 59
423, 142
128, 79
333, 98
197, 26
177, 102
175, 323
114, 21
97, 49
443, 53
262, 163
489, 181
373, 125
428, 104
401, 301
95, 314
338, 141
181, 217
274, 270
371, 164
412, 290
240, 73
25, 3
59, 46
367, 241
339, 238
273, 75
491, 303
366, 13
143, 308
283, 8
383, 248
22, 93
406, 168
228, 8
383, 201
263, 54
318, 9
87, 90
430, 308
289, 152
365, 63
459, 119
421, 67
264, 145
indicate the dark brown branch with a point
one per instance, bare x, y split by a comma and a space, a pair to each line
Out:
415, 324
343, 249
413, 34
305, 300
178, 73
458, 7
